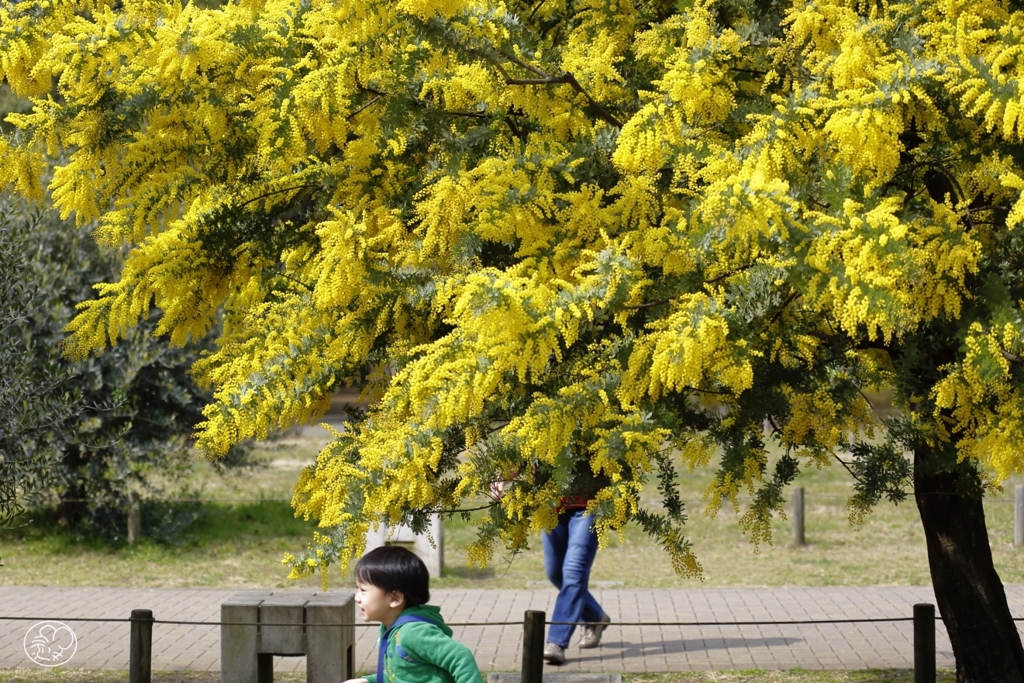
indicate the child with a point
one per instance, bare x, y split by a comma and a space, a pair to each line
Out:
415, 645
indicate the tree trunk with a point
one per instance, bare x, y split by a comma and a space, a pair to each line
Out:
72, 507
970, 595
134, 518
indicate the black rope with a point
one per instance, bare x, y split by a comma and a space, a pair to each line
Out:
793, 622
737, 623
62, 619
307, 624
236, 623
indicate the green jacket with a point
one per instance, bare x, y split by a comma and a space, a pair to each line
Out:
426, 653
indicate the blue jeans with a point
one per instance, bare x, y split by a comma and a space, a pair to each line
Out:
569, 551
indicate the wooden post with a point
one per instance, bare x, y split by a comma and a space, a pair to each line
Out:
134, 518
1018, 515
141, 646
924, 643
798, 515
533, 647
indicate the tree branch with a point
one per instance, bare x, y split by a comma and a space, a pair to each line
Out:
652, 304
529, 67
281, 191
294, 279
1005, 354
514, 128
366, 88
535, 8
785, 304
847, 468
544, 78
537, 81
423, 105
988, 208
728, 274
369, 104
467, 114
870, 404
459, 510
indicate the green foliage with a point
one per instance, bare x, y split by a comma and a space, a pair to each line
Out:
136, 407
37, 399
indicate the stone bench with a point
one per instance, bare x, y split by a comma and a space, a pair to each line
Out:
285, 623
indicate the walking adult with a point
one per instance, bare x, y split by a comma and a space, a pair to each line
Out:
569, 552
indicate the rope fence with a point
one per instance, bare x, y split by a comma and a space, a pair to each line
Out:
793, 622
142, 623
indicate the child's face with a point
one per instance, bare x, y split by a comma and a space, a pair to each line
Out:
376, 604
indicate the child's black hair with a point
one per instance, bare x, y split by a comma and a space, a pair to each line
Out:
394, 569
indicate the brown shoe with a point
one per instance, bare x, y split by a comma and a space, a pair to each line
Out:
554, 654
591, 633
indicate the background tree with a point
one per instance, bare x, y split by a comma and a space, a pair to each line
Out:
139, 405
37, 400
562, 229
85, 434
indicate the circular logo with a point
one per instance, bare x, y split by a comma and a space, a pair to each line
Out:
50, 643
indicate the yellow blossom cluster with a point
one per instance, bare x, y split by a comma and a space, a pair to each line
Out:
547, 239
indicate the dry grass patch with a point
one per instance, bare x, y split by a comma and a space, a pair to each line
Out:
248, 525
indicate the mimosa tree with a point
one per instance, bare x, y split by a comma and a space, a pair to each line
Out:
625, 235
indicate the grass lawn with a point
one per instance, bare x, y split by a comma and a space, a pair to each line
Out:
789, 676
247, 525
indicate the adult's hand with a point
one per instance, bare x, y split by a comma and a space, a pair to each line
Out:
497, 490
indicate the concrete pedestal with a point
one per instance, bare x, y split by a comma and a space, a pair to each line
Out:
419, 544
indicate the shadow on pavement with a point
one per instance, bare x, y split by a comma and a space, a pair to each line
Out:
625, 648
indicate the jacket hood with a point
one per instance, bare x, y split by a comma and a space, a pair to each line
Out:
430, 613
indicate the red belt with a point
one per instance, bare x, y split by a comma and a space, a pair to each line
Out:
572, 503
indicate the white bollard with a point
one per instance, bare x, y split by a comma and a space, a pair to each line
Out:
403, 535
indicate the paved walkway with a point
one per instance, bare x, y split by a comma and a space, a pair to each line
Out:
498, 648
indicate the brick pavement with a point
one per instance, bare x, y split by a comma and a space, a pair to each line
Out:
498, 648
